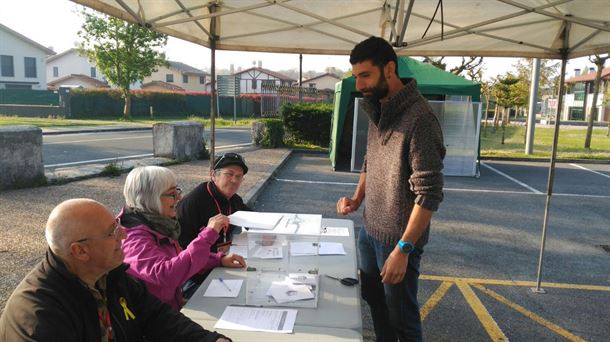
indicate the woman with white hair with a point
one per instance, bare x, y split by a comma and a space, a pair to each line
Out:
151, 247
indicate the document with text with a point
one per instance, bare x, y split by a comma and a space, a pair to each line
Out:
257, 319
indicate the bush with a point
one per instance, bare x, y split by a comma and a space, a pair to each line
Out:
268, 133
307, 122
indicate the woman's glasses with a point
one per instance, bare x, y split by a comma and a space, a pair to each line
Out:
176, 193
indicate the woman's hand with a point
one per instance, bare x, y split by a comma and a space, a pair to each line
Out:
218, 222
233, 261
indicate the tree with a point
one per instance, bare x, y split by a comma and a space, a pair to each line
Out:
125, 53
471, 66
549, 73
599, 62
507, 96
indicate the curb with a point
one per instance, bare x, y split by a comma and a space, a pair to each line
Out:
252, 195
92, 130
580, 161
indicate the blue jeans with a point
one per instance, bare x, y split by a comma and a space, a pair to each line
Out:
394, 308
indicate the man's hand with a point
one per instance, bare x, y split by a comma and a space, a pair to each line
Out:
222, 339
346, 205
218, 222
233, 261
395, 267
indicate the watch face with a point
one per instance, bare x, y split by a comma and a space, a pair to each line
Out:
405, 247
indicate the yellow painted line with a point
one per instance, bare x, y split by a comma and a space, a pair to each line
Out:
517, 283
481, 312
545, 323
434, 299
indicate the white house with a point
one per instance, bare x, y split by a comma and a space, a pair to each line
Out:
579, 96
22, 61
70, 68
176, 76
252, 80
325, 81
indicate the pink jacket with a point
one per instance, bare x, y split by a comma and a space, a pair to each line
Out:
161, 264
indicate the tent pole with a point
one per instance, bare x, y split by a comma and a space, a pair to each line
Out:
212, 8
300, 77
531, 115
549, 186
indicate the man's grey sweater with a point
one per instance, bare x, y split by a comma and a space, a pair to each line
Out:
404, 163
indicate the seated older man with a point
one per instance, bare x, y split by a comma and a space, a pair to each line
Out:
80, 291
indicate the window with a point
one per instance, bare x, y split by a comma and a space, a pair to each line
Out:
6, 66
30, 66
93, 72
201, 79
254, 84
185, 79
312, 86
169, 78
55, 71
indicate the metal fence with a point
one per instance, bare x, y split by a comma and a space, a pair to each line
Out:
273, 96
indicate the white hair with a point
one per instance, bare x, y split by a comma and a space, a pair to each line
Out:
144, 186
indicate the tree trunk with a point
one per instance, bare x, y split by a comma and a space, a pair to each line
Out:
496, 117
504, 111
593, 113
127, 108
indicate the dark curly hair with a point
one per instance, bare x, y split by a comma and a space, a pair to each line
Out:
374, 49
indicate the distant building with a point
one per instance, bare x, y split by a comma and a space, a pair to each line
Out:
578, 100
253, 79
22, 61
325, 82
179, 75
69, 69
161, 86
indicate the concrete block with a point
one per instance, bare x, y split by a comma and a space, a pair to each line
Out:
178, 140
20, 156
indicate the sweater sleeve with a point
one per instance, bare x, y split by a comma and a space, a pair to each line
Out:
426, 153
162, 265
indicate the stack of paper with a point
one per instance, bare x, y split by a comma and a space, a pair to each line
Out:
257, 319
287, 291
225, 288
252, 219
320, 248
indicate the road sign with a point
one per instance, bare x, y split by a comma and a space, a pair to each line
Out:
228, 85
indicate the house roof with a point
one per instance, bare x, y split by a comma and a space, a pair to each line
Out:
185, 68
27, 40
61, 54
161, 84
268, 72
590, 77
323, 75
95, 82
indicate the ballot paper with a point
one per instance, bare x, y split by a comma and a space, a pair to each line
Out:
257, 319
253, 219
313, 248
239, 250
287, 291
268, 252
335, 231
228, 288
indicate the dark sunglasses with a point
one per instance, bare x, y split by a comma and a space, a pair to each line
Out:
229, 156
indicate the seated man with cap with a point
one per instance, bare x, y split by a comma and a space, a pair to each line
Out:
208, 199
81, 292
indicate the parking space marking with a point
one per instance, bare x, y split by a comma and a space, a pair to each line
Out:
435, 299
489, 324
313, 182
512, 179
517, 283
529, 314
595, 172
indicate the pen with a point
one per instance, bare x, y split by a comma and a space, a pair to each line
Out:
225, 284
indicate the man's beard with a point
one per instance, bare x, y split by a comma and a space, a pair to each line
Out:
380, 90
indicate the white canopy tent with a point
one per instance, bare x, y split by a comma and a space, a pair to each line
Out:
551, 29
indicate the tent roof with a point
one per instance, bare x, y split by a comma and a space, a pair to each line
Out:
503, 28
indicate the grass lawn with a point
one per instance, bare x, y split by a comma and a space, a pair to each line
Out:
571, 143
103, 121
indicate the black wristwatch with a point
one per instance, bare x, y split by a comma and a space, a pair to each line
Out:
405, 246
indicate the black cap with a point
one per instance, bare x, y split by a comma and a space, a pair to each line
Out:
230, 159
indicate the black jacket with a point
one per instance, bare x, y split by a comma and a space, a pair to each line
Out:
197, 207
51, 304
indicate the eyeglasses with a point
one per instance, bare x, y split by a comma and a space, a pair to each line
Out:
175, 194
231, 175
231, 156
116, 230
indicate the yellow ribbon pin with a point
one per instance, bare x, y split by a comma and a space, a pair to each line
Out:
128, 314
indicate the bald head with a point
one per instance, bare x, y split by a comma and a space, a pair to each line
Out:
72, 220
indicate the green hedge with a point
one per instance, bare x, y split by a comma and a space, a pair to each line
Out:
307, 122
268, 133
29, 97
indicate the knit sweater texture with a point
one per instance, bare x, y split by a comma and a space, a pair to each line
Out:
404, 163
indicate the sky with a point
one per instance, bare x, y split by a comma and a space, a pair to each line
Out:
55, 23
